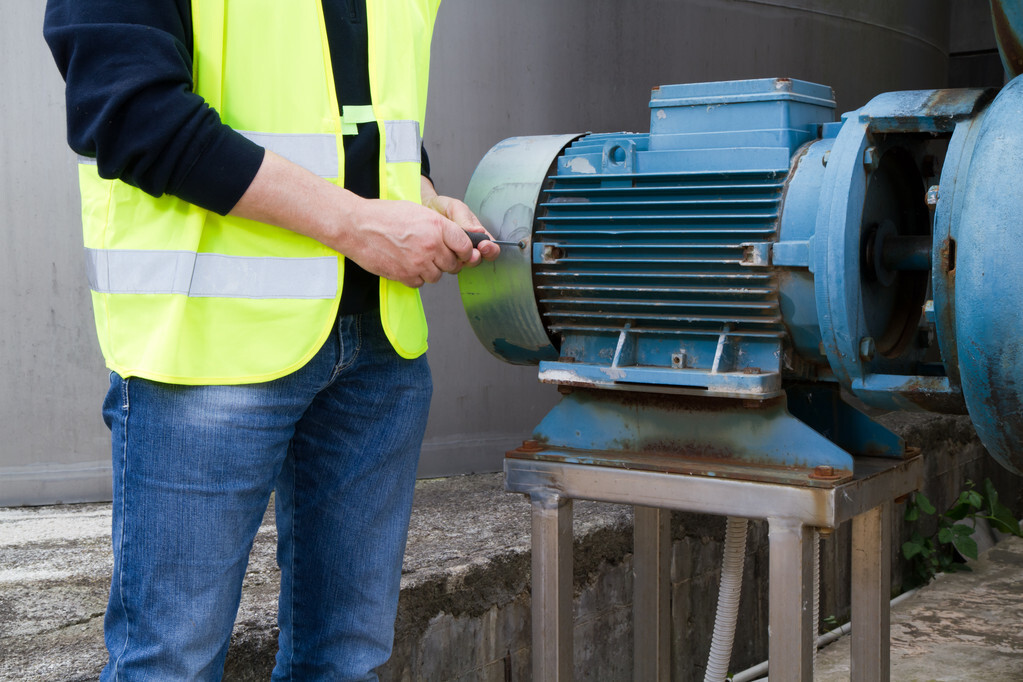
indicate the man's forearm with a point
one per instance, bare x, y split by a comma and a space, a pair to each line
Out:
399, 240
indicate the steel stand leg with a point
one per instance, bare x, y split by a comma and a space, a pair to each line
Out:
552, 587
791, 601
870, 657
651, 622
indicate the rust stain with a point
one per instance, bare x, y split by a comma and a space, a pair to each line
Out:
689, 465
929, 393
686, 403
1009, 40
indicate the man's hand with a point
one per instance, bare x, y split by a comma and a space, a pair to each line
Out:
404, 241
398, 240
460, 214
457, 211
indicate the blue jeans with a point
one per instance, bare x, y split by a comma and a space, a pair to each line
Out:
194, 467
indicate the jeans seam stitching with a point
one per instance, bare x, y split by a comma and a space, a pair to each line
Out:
291, 587
125, 409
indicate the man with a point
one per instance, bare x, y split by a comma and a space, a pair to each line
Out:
247, 353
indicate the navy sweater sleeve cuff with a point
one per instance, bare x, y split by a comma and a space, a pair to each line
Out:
221, 173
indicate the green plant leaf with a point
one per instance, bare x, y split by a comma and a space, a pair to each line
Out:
966, 545
990, 493
925, 505
974, 499
911, 549
1002, 519
960, 510
945, 535
962, 529
912, 512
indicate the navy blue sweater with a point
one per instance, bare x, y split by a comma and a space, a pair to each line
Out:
127, 65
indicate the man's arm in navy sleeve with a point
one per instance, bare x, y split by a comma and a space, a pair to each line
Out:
128, 69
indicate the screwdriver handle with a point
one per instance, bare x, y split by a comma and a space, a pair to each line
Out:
476, 237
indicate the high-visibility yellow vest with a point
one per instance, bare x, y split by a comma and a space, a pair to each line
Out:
183, 295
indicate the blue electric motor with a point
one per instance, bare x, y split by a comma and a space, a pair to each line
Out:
736, 272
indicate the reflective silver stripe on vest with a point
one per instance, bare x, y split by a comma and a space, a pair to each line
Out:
403, 142
209, 274
316, 152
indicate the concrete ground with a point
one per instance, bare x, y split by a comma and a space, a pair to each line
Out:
465, 589
468, 551
961, 627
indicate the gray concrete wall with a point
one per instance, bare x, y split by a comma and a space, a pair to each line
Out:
53, 444
499, 69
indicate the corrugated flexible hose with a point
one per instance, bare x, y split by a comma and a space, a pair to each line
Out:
728, 600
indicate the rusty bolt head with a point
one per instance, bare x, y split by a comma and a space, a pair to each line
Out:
868, 348
531, 446
825, 472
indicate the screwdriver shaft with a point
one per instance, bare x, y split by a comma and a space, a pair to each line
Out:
477, 237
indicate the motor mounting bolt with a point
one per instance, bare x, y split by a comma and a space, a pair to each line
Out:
530, 446
825, 472
867, 348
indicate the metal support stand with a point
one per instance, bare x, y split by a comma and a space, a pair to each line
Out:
552, 585
792, 513
651, 629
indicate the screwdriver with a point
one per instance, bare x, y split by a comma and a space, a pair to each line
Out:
477, 237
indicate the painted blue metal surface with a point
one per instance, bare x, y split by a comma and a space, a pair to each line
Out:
651, 252
876, 173
721, 430
989, 280
749, 247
